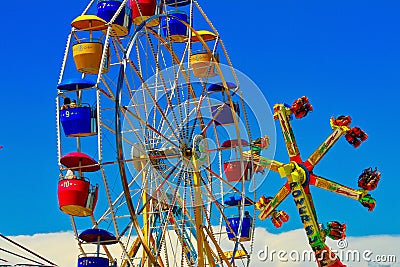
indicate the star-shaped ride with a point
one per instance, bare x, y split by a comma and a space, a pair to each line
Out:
300, 176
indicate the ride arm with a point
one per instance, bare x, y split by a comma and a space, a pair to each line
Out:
268, 210
360, 195
283, 114
337, 188
262, 163
320, 152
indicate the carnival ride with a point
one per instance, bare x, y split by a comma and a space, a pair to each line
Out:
151, 119
162, 131
300, 176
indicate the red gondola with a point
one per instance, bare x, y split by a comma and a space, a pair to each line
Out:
235, 170
77, 197
142, 10
234, 143
75, 194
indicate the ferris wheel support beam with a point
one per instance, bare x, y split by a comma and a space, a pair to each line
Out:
198, 214
209, 253
146, 210
132, 252
202, 242
186, 246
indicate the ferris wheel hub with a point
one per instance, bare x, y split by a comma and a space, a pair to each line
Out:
187, 152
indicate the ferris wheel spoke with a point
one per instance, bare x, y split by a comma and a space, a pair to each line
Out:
132, 128
197, 102
167, 130
179, 122
109, 93
230, 186
154, 103
169, 220
178, 61
163, 83
111, 130
219, 207
117, 200
214, 117
184, 126
164, 180
151, 128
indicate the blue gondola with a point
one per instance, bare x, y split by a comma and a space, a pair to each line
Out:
92, 261
99, 237
106, 10
219, 87
79, 121
223, 114
173, 28
246, 228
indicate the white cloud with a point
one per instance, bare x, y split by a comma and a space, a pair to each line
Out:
62, 249
59, 248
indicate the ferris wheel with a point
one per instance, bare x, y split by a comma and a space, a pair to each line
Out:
152, 126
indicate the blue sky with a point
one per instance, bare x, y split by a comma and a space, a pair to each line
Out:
344, 55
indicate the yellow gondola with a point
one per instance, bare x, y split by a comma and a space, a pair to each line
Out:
88, 53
